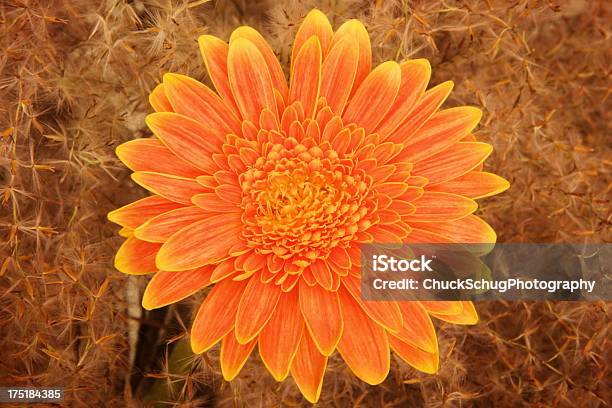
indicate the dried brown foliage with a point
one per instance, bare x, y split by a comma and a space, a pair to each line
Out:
74, 77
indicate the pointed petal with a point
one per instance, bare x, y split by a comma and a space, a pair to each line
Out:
279, 340
467, 230
166, 288
364, 345
250, 80
468, 315
322, 316
274, 68
163, 226
418, 330
195, 100
315, 24
441, 207
152, 155
188, 139
444, 307
374, 97
234, 355
356, 33
338, 74
174, 188
385, 313
216, 315
452, 162
308, 368
415, 76
306, 76
137, 213
136, 257
475, 185
258, 302
427, 105
158, 99
202, 243
419, 359
444, 129
214, 52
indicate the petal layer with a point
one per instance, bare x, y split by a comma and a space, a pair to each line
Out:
308, 369
202, 243
475, 185
249, 79
234, 355
364, 345
216, 315
137, 213
152, 155
256, 307
279, 340
136, 257
322, 316
166, 288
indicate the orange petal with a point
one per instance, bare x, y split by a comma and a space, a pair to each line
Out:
444, 307
214, 52
308, 368
136, 257
444, 129
211, 202
125, 232
475, 185
216, 315
166, 288
158, 99
192, 141
163, 226
250, 80
385, 313
137, 213
467, 230
152, 155
415, 76
234, 355
453, 162
174, 188
418, 329
374, 97
274, 68
195, 100
258, 302
322, 316
467, 316
441, 207
364, 345
427, 105
315, 24
322, 273
338, 74
356, 33
419, 359
202, 243
306, 76
279, 340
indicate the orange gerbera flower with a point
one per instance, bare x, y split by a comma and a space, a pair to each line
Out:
266, 191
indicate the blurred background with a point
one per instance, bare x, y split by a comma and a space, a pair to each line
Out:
74, 81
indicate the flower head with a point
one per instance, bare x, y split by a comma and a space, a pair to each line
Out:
265, 190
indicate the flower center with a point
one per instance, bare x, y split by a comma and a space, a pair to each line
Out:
301, 200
